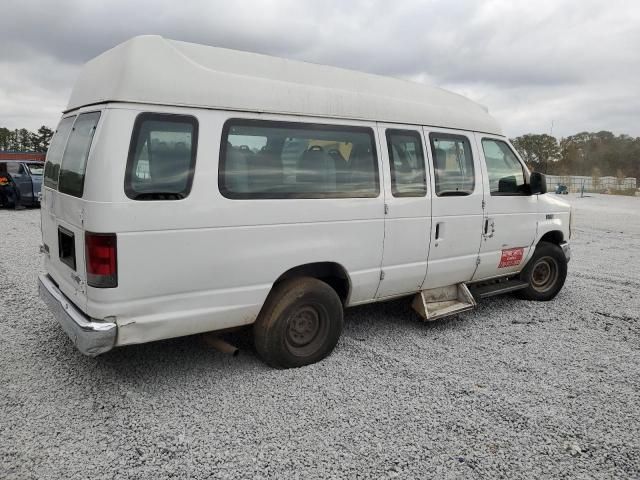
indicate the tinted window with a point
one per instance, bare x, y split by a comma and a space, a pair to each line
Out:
56, 149
406, 159
506, 175
262, 159
14, 168
74, 160
162, 157
454, 173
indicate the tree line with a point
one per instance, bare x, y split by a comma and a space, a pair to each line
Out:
23, 140
593, 154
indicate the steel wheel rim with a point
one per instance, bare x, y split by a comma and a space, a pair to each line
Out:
306, 330
544, 274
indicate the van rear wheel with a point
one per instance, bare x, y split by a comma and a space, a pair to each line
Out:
545, 273
299, 324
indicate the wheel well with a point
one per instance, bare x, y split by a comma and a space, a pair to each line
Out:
331, 273
555, 237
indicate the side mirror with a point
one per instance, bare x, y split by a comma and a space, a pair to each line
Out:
538, 183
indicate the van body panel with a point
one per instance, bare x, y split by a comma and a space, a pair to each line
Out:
183, 259
206, 257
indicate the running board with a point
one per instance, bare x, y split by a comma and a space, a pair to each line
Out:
498, 288
441, 302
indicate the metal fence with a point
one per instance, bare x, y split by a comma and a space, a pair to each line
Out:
575, 183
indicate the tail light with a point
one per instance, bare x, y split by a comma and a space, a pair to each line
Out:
101, 257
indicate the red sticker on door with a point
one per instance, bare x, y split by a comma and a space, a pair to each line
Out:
511, 257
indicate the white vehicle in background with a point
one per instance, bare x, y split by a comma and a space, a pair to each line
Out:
191, 189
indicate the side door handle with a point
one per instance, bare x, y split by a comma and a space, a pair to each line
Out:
489, 227
438, 233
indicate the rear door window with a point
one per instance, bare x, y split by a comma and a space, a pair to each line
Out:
162, 157
56, 149
74, 160
454, 173
408, 176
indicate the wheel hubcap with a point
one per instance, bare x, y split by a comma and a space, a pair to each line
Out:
544, 274
303, 326
307, 330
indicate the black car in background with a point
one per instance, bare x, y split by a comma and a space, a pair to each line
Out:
20, 183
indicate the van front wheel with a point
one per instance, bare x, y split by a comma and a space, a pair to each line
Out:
299, 324
545, 273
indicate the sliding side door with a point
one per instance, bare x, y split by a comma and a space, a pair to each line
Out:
407, 209
457, 214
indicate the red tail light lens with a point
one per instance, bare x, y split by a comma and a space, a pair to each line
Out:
101, 258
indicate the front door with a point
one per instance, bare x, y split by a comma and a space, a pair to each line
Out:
457, 213
509, 227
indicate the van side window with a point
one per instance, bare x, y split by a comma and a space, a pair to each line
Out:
14, 168
406, 160
506, 174
269, 159
56, 149
162, 157
453, 164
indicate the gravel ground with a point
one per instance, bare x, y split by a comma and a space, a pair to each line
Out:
514, 389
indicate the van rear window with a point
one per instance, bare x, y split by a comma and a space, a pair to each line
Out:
56, 149
262, 159
74, 160
162, 157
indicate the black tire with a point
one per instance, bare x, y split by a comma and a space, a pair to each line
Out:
299, 324
545, 273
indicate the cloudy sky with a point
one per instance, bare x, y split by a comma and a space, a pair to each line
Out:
573, 63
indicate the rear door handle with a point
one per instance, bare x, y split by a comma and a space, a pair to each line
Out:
489, 227
437, 231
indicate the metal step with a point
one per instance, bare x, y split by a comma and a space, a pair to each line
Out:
441, 302
498, 288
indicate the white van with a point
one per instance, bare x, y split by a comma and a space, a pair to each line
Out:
192, 189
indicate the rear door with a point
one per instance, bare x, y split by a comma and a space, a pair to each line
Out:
457, 213
407, 209
62, 205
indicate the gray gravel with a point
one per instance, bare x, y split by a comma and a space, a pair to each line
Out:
513, 389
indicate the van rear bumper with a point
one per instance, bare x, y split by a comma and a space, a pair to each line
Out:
89, 336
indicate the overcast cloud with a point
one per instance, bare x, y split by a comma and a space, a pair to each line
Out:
576, 63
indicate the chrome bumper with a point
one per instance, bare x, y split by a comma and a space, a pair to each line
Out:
566, 249
89, 336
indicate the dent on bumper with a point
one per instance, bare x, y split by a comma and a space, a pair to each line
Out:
566, 249
89, 336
